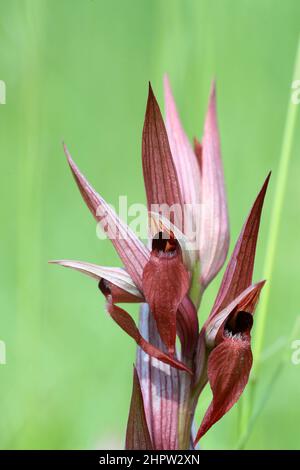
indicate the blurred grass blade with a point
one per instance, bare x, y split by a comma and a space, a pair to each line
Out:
275, 219
247, 415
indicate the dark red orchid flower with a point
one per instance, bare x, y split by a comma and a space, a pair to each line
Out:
188, 244
227, 329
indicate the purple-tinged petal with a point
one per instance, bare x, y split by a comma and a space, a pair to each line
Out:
214, 227
161, 180
187, 319
201, 358
230, 361
245, 301
229, 366
165, 284
137, 433
131, 250
214, 329
185, 160
187, 327
239, 271
124, 320
160, 387
120, 285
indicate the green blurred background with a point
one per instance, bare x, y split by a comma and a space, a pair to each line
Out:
78, 71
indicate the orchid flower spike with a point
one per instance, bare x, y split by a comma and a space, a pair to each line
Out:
187, 247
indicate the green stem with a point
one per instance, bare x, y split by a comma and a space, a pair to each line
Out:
185, 416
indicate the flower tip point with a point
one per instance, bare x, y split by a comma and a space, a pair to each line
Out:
56, 261
70, 160
67, 153
151, 95
213, 93
262, 283
166, 81
266, 183
213, 88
